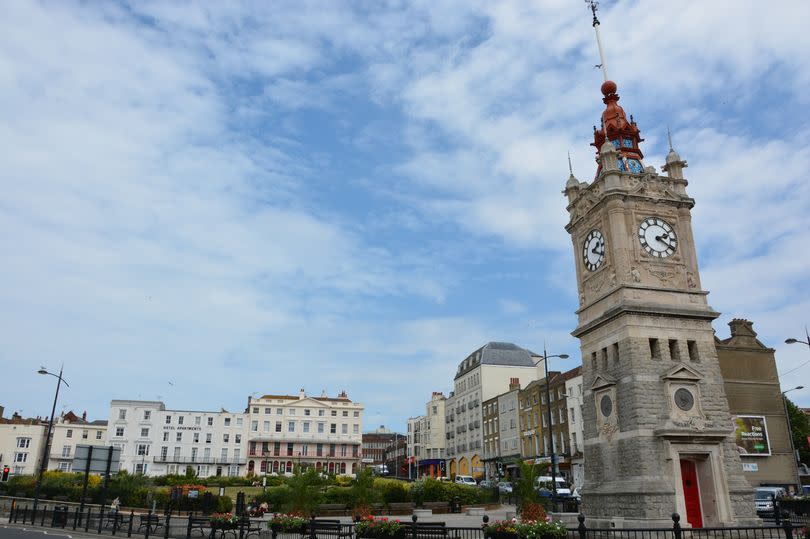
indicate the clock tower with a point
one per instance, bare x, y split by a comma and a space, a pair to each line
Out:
658, 434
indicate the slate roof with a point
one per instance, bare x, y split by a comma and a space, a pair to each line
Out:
497, 353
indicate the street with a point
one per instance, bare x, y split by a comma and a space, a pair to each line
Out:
21, 532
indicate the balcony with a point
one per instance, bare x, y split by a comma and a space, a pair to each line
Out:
60, 456
197, 460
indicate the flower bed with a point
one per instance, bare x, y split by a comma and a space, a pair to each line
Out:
378, 527
512, 529
224, 521
287, 523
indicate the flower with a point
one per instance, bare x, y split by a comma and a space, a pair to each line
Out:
377, 527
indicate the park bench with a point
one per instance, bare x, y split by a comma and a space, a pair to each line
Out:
254, 527
400, 508
115, 519
378, 509
437, 507
326, 528
151, 522
425, 530
199, 524
332, 509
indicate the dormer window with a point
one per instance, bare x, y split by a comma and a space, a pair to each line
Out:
627, 143
615, 143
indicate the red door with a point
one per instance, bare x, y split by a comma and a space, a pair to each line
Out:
691, 493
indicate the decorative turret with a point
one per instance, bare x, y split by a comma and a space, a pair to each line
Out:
675, 165
624, 135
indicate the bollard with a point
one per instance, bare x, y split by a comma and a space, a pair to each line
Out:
242, 527
25, 513
188, 529
413, 527
87, 521
101, 518
11, 510
312, 527
788, 527
42, 520
583, 532
166, 525
75, 517
676, 525
131, 520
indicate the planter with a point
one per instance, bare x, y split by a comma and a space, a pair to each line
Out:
224, 526
301, 530
501, 535
401, 534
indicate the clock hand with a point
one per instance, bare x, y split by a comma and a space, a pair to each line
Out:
596, 250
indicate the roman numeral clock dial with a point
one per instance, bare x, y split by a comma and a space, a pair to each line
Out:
657, 237
593, 250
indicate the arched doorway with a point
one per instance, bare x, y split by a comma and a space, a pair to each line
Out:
463, 466
452, 467
251, 466
477, 467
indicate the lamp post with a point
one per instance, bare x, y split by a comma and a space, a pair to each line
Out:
546, 357
790, 435
44, 463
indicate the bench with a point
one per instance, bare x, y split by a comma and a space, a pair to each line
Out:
377, 509
200, 524
437, 507
326, 528
400, 508
425, 530
151, 522
254, 527
331, 509
115, 519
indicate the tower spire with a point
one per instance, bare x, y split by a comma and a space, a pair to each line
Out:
594, 5
669, 138
570, 168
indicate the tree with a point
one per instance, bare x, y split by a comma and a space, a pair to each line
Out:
526, 490
800, 424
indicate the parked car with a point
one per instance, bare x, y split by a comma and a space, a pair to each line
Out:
505, 487
544, 487
764, 497
487, 483
465, 480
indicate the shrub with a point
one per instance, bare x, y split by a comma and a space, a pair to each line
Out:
274, 497
392, 491
305, 491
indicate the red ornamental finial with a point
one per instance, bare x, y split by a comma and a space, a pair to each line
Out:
623, 134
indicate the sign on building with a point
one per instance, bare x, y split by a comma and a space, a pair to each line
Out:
98, 457
751, 435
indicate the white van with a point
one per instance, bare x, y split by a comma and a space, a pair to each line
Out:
764, 497
544, 485
465, 480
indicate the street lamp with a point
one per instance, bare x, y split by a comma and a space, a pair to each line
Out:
790, 434
44, 463
546, 357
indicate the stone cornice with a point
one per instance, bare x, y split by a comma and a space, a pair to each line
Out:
644, 309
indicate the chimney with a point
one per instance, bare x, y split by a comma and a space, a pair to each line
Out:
301, 394
514, 383
84, 415
742, 333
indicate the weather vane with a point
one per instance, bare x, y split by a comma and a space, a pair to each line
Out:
594, 5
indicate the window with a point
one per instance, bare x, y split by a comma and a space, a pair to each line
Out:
197, 421
238, 439
691, 346
655, 349
268, 410
69, 433
210, 421
180, 420
289, 449
23, 443
147, 415
345, 413
179, 437
254, 426
278, 426
208, 437
572, 415
343, 451
143, 449
238, 421
20, 457
354, 450
207, 453
98, 435
318, 450
291, 426
85, 433
122, 414
306, 411
226, 438
279, 411
305, 449
140, 468
356, 413
333, 428
320, 413
144, 433
276, 448
176, 452
266, 426
64, 466
344, 429
196, 437
168, 420
227, 421
66, 451
292, 411
223, 455
306, 426
320, 428
674, 351
355, 429
334, 413
194, 452
119, 432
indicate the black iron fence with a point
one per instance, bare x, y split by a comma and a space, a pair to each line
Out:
107, 521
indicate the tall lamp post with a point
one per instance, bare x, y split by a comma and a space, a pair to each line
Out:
44, 463
784, 401
546, 357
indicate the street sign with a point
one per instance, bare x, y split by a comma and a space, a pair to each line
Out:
98, 460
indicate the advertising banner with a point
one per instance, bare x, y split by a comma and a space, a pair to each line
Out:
751, 435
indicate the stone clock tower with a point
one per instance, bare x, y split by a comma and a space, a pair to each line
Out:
658, 434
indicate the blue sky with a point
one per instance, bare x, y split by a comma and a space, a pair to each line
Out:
256, 197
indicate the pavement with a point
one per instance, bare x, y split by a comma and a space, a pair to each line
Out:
13, 531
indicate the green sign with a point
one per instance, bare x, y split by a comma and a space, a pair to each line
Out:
751, 435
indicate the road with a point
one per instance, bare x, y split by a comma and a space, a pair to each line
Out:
20, 532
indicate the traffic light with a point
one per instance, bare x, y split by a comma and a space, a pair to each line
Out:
6, 471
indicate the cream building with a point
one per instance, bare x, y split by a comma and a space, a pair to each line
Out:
576, 435
321, 432
427, 440
21, 444
68, 432
482, 375
508, 425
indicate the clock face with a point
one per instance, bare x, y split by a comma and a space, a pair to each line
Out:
635, 166
657, 237
606, 406
684, 399
593, 250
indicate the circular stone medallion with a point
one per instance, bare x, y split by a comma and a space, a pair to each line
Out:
684, 399
606, 405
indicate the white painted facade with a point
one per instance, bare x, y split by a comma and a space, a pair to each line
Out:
156, 441
67, 435
573, 392
322, 432
509, 424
